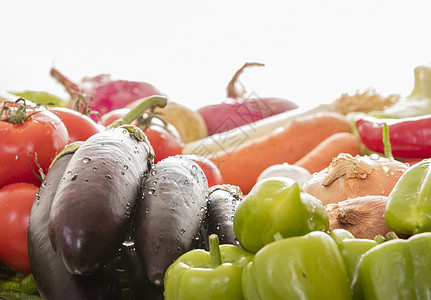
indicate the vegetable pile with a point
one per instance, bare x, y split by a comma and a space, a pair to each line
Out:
115, 194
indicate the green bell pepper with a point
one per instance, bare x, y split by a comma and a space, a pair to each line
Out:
277, 205
396, 269
351, 248
198, 274
408, 208
305, 267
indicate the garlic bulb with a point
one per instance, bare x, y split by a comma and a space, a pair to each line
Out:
299, 174
350, 177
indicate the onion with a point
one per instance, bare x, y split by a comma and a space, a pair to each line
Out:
238, 109
363, 217
351, 177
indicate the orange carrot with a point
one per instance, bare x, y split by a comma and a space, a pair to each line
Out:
321, 156
242, 165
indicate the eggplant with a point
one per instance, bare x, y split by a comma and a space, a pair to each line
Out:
139, 286
222, 203
92, 209
52, 278
170, 213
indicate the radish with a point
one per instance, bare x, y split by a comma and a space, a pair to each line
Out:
237, 110
104, 94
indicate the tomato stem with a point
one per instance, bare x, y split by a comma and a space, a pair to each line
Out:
41, 175
17, 113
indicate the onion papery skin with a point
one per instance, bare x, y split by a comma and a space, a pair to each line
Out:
351, 177
363, 217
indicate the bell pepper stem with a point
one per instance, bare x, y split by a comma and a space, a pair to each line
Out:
139, 109
278, 236
391, 236
214, 248
379, 239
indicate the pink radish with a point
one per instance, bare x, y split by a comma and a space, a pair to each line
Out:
237, 110
104, 94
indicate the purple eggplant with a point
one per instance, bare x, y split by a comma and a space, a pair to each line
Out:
170, 214
222, 203
140, 288
92, 209
52, 278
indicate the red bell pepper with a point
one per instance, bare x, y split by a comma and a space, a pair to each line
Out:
409, 137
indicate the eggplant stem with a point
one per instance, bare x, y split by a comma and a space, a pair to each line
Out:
139, 109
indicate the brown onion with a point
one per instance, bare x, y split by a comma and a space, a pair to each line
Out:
351, 177
363, 216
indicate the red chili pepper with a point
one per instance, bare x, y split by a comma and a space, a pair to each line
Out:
409, 137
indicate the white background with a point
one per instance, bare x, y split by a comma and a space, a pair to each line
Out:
313, 51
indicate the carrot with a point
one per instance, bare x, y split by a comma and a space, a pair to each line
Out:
359, 102
321, 156
242, 165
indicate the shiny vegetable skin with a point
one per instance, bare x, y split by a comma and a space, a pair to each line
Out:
170, 214
51, 276
301, 267
408, 209
222, 202
92, 210
139, 285
395, 269
409, 137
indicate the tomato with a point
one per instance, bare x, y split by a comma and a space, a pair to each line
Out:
79, 126
211, 171
39, 138
165, 140
16, 201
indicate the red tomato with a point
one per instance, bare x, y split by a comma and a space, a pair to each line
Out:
79, 126
211, 171
16, 201
42, 134
165, 141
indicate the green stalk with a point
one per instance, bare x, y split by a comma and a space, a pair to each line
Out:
379, 239
22, 284
14, 295
215, 257
387, 141
139, 109
391, 236
278, 236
